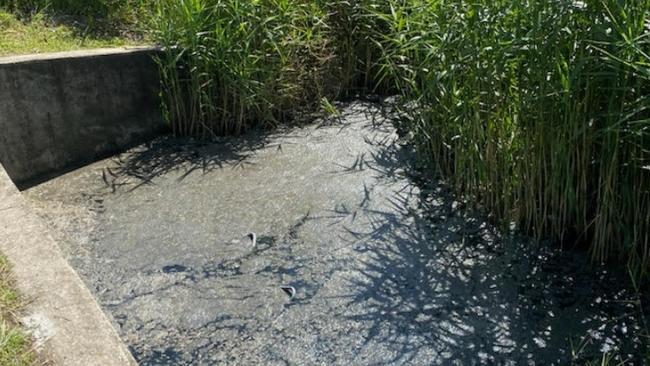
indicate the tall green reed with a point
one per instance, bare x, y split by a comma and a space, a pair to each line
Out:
232, 64
355, 35
539, 110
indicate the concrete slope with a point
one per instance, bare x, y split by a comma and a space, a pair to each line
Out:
68, 325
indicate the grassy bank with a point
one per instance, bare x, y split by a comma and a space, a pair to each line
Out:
536, 110
15, 347
50, 26
41, 34
116, 11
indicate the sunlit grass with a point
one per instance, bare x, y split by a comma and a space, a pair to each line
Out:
39, 35
15, 346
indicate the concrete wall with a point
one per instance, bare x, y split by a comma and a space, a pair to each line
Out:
60, 111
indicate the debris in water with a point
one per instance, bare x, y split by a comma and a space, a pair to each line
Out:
176, 268
253, 238
289, 290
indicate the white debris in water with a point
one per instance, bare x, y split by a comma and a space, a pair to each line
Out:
608, 346
539, 342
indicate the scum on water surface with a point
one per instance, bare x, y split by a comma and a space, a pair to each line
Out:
387, 269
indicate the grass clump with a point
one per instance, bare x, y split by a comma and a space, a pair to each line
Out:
231, 64
355, 34
15, 347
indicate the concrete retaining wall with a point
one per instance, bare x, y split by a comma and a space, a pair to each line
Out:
60, 111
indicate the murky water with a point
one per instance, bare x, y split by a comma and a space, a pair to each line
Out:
387, 269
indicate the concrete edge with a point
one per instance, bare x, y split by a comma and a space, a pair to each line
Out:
75, 54
66, 321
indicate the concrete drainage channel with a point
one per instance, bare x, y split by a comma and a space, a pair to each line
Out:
387, 267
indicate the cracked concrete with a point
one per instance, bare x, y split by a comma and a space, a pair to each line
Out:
388, 267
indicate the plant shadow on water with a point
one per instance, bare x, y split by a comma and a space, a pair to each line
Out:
425, 279
438, 278
140, 166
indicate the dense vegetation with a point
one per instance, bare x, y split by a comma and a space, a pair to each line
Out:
233, 63
537, 108
540, 109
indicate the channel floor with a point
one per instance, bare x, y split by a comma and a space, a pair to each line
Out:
388, 268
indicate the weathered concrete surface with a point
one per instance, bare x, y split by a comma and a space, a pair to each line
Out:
62, 110
68, 325
388, 270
